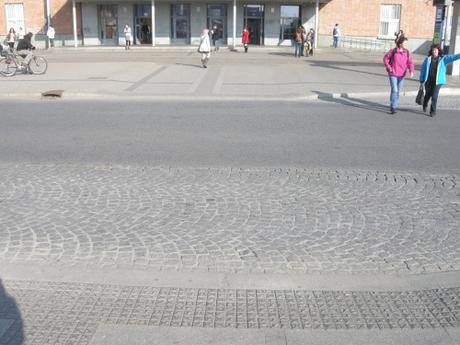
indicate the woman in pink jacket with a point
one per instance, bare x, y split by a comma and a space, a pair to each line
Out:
397, 61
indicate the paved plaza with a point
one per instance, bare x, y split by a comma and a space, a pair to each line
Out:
231, 220
177, 73
271, 221
303, 214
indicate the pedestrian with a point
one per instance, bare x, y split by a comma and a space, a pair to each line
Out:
310, 41
397, 61
304, 40
51, 33
11, 38
204, 48
215, 37
24, 48
298, 43
335, 36
245, 39
127, 32
21, 33
433, 75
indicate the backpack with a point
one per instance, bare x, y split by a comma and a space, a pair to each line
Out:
334, 32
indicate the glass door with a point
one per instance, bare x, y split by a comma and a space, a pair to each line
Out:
180, 23
108, 24
217, 23
254, 21
143, 24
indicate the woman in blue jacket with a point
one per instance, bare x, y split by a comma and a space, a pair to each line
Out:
433, 75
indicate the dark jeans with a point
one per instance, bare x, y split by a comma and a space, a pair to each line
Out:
431, 91
335, 42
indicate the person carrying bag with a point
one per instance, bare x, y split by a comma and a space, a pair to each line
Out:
433, 75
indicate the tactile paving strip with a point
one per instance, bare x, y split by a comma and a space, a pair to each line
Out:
69, 313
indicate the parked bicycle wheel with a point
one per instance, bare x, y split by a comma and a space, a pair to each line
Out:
8, 66
38, 65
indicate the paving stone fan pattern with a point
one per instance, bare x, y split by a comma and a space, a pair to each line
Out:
230, 220
69, 313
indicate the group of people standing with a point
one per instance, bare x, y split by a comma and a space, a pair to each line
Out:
304, 42
22, 43
204, 47
398, 61
12, 36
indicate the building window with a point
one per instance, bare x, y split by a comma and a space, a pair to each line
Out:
390, 16
14, 17
290, 21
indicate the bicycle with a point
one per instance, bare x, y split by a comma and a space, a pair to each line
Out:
11, 62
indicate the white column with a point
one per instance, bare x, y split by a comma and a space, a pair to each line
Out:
234, 24
153, 23
48, 13
454, 69
48, 21
74, 20
316, 22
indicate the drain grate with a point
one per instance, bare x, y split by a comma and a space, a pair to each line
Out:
53, 94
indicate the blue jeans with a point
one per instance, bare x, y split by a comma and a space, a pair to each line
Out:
396, 84
298, 49
335, 43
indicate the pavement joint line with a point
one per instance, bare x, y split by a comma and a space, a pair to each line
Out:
142, 81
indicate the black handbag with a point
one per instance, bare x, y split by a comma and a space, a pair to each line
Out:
420, 96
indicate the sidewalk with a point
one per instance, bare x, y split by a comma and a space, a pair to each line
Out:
176, 72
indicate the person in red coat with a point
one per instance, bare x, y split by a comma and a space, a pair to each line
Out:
245, 39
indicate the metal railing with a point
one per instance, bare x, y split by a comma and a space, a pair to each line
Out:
365, 43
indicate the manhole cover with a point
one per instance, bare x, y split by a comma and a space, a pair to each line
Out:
53, 93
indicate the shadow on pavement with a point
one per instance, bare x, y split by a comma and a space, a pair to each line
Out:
362, 104
283, 54
189, 65
11, 324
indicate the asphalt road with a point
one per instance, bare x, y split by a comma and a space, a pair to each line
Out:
329, 134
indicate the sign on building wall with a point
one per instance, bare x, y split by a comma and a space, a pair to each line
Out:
439, 25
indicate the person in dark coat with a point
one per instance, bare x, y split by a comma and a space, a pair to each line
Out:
25, 48
215, 37
433, 75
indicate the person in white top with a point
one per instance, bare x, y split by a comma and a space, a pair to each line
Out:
11, 38
336, 35
21, 33
205, 48
127, 31
51, 33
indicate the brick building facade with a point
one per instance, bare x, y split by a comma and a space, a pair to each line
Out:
357, 18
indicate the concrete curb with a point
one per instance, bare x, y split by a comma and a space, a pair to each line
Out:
81, 273
147, 97
444, 92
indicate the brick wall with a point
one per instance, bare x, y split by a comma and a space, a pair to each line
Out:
61, 17
34, 15
362, 17
34, 12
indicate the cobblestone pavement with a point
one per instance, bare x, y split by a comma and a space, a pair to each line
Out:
230, 220
63, 313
